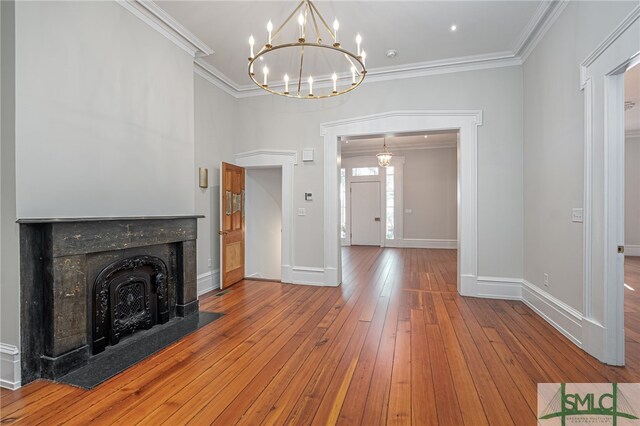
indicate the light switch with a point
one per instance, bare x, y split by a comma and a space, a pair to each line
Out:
302, 211
576, 215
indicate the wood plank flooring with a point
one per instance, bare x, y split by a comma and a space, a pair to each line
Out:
394, 344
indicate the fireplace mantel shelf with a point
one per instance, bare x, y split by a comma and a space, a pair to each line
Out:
103, 219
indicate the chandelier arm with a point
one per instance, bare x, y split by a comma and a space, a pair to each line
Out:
300, 74
352, 64
313, 6
286, 21
315, 25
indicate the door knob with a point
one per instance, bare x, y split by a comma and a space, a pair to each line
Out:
223, 232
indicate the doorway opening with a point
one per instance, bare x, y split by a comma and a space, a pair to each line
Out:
466, 122
631, 184
263, 223
412, 203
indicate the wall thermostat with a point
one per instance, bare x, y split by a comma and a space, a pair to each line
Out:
308, 196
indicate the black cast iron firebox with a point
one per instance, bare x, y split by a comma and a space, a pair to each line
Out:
129, 295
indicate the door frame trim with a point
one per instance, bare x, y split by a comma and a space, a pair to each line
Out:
466, 122
285, 159
603, 293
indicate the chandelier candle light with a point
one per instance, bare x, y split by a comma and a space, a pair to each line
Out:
310, 42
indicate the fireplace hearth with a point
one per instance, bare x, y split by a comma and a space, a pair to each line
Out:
90, 284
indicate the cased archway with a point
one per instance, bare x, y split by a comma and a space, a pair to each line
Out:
466, 122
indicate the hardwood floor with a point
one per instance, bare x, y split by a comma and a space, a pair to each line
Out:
395, 344
632, 308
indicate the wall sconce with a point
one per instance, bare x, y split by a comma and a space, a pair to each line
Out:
204, 177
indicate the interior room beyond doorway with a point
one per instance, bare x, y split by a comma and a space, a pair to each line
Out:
263, 223
410, 203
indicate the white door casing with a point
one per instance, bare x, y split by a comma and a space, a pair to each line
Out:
601, 79
287, 160
466, 122
366, 222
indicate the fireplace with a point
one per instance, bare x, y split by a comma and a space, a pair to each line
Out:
87, 285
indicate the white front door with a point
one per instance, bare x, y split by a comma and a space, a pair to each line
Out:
365, 213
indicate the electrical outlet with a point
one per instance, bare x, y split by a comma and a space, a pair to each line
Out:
546, 280
302, 211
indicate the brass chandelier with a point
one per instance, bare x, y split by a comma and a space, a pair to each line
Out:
348, 68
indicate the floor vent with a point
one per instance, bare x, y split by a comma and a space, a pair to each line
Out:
222, 293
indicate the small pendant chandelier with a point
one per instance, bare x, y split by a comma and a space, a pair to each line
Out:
384, 157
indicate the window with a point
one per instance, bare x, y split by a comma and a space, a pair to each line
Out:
343, 203
390, 195
365, 171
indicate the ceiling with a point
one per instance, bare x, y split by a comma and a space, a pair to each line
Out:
372, 144
632, 94
418, 30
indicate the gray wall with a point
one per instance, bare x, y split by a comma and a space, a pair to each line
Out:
273, 122
9, 246
430, 191
632, 192
104, 114
263, 221
553, 146
215, 132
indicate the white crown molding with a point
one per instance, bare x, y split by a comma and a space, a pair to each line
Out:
542, 20
154, 16
534, 31
215, 78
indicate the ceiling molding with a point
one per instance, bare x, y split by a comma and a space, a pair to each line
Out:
154, 16
542, 20
205, 71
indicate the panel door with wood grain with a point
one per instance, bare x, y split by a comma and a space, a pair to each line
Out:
232, 232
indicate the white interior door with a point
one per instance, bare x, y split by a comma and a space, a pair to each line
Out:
365, 214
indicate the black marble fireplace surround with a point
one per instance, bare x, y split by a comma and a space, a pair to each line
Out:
88, 283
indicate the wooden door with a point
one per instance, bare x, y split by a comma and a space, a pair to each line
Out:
365, 213
231, 224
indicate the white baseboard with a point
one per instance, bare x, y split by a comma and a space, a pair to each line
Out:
563, 317
208, 281
631, 250
10, 375
422, 243
499, 288
308, 275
